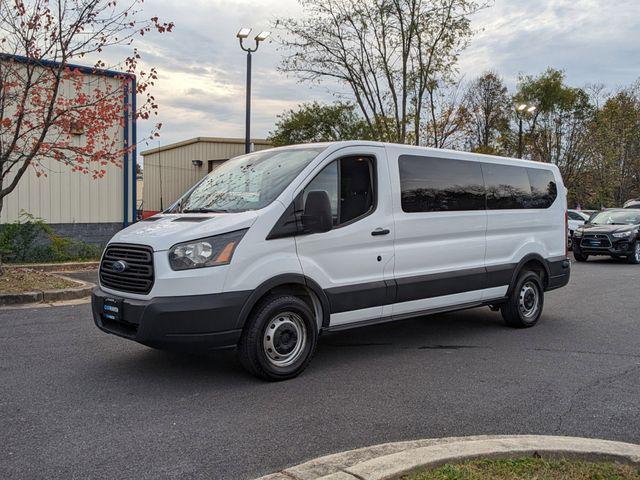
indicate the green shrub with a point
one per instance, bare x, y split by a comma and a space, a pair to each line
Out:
30, 240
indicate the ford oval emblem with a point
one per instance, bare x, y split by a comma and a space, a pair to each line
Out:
119, 266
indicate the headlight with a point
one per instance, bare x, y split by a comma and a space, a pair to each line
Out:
205, 252
577, 233
623, 234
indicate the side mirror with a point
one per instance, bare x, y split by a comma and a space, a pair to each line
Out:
316, 216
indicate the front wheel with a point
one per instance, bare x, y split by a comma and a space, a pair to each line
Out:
579, 256
278, 339
524, 305
634, 258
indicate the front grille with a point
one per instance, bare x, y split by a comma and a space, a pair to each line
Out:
137, 277
595, 240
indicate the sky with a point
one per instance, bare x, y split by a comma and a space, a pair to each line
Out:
201, 68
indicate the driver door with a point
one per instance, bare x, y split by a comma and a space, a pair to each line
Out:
353, 262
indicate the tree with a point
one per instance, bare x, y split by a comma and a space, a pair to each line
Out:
447, 117
488, 107
387, 52
314, 122
40, 39
557, 131
614, 135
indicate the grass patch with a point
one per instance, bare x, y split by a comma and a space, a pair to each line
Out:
20, 280
529, 468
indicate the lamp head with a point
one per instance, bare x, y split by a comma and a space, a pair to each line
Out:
262, 36
243, 33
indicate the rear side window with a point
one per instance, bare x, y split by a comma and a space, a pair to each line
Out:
507, 186
436, 184
543, 189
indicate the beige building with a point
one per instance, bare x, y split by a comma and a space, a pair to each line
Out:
170, 170
75, 204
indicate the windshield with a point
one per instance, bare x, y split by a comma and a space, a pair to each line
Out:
617, 218
248, 182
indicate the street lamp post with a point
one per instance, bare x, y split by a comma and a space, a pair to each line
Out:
520, 109
242, 35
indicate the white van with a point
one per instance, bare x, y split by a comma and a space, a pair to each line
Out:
274, 247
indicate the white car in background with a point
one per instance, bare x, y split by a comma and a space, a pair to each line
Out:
576, 218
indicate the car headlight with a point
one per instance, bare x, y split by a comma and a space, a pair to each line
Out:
623, 234
577, 233
205, 252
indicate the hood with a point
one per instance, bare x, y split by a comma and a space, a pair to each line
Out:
161, 232
607, 228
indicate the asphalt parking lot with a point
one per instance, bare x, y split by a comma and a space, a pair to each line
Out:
78, 403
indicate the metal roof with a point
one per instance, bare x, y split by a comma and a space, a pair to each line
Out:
171, 146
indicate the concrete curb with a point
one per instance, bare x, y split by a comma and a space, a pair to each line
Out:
73, 293
56, 267
392, 460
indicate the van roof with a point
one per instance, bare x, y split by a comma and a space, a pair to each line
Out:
423, 150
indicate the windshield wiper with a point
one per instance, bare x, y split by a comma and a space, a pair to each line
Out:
205, 210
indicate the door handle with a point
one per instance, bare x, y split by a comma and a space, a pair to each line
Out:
380, 231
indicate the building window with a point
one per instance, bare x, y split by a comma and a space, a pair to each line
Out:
213, 164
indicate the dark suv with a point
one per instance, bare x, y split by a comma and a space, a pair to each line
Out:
611, 232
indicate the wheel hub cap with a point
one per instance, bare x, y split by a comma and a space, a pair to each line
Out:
284, 339
529, 300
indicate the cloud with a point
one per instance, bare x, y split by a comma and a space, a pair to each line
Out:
592, 41
202, 69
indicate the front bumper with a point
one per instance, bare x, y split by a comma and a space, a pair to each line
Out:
187, 323
608, 245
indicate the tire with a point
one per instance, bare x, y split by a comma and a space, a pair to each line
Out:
570, 241
278, 339
524, 305
579, 256
634, 258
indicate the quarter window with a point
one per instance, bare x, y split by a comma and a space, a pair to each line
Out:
436, 184
350, 185
543, 189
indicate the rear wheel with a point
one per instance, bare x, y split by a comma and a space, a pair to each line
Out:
579, 256
634, 258
524, 306
278, 339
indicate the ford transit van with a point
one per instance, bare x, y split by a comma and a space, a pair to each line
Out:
275, 247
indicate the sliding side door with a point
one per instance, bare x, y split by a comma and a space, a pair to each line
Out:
440, 227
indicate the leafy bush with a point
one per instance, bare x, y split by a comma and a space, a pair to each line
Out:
30, 240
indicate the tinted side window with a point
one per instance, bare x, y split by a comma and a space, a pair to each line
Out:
543, 189
326, 180
436, 184
507, 186
350, 185
356, 188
